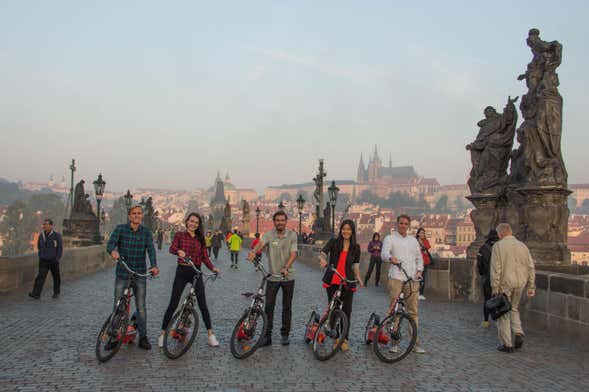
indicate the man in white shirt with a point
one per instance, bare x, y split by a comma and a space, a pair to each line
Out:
402, 250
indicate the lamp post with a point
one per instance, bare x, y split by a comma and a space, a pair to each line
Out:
300, 204
99, 185
258, 219
333, 191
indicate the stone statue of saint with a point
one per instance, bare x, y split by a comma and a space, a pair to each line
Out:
542, 110
518, 171
149, 213
79, 198
491, 150
245, 208
327, 217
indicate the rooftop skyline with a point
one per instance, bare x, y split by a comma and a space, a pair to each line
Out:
147, 93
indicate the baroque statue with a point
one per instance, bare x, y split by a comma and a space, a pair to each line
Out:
542, 111
491, 150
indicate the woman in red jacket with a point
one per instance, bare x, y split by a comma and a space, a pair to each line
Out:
425, 247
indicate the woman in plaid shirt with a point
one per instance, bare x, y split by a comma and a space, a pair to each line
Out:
190, 243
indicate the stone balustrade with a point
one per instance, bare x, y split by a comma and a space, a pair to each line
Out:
19, 272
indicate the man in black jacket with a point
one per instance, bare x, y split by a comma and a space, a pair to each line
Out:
50, 247
484, 268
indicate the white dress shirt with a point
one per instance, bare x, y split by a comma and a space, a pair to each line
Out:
406, 250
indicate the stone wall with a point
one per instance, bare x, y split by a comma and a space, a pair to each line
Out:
561, 304
19, 272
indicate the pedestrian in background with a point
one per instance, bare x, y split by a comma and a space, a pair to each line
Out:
424, 246
217, 243
209, 242
50, 247
374, 248
484, 269
235, 242
512, 269
160, 239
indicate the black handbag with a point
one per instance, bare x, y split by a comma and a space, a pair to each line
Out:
498, 306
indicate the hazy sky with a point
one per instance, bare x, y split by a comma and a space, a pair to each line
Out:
162, 94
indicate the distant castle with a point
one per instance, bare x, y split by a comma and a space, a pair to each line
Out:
376, 173
385, 179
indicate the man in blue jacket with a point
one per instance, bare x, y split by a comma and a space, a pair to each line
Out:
50, 247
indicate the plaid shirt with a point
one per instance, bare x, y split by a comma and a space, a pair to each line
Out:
193, 249
132, 246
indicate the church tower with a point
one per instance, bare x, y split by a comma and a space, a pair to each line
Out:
374, 166
361, 175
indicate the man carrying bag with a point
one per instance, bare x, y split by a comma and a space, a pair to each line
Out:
512, 269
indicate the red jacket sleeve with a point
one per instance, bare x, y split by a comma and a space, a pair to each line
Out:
175, 246
426, 244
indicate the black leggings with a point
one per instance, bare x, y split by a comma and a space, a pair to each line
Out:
184, 275
422, 281
488, 293
347, 298
374, 261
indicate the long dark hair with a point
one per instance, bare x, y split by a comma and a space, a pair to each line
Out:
340, 238
199, 230
374, 236
419, 231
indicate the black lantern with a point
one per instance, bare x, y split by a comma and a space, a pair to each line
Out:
99, 186
300, 205
333, 191
281, 206
258, 219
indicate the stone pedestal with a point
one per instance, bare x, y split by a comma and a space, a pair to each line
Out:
245, 228
544, 218
81, 230
484, 217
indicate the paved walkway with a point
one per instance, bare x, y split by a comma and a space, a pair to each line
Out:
49, 345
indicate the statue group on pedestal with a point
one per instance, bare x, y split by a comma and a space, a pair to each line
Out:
532, 197
538, 160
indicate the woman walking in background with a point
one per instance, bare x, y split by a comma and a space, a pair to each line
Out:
427, 258
374, 248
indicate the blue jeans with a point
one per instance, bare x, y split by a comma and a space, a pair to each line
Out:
139, 293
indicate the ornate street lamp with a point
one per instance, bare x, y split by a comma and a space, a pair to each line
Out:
300, 204
333, 191
258, 219
99, 185
281, 206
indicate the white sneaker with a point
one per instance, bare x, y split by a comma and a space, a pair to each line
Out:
418, 350
160, 341
213, 342
421, 297
394, 349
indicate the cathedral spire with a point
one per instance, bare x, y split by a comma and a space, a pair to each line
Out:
361, 173
375, 154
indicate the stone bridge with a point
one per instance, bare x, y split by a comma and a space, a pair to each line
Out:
48, 345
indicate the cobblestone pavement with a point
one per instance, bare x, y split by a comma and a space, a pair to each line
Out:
49, 345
